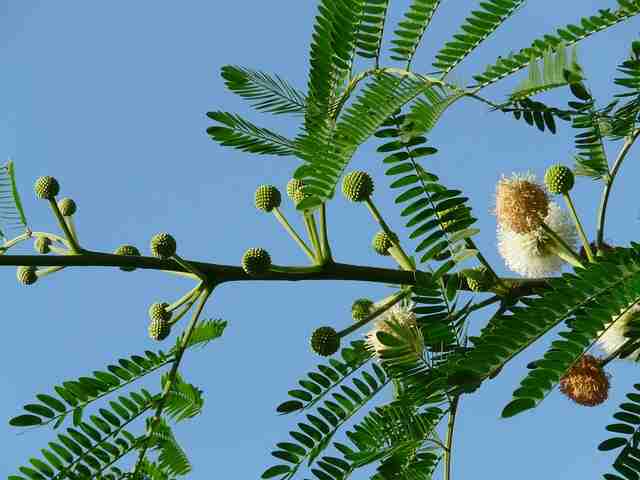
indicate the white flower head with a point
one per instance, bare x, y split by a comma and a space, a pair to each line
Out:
527, 253
401, 315
521, 202
614, 335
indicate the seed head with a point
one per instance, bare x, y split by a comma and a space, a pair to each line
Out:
559, 179
158, 311
129, 250
42, 245
586, 383
163, 245
325, 341
521, 203
159, 329
46, 188
267, 197
382, 242
67, 207
357, 186
27, 275
361, 308
256, 261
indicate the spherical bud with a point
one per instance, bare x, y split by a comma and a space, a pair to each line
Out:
521, 203
129, 250
357, 186
158, 311
382, 242
42, 245
325, 341
27, 275
586, 383
67, 207
256, 261
267, 197
46, 188
163, 245
159, 329
559, 179
361, 308
293, 186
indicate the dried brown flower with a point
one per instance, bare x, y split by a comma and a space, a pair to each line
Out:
521, 203
586, 383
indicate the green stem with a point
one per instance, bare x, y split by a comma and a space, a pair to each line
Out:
48, 271
310, 224
387, 303
189, 267
608, 185
172, 376
448, 452
73, 243
484, 303
324, 236
194, 292
297, 270
290, 230
72, 227
52, 237
576, 219
403, 260
481, 258
561, 249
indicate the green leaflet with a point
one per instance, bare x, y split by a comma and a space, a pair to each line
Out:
244, 135
627, 424
314, 436
171, 457
89, 449
624, 119
204, 332
184, 400
409, 33
590, 157
73, 396
317, 384
11, 211
475, 29
569, 34
265, 92
370, 31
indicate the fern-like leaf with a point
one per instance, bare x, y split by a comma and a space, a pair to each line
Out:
184, 400
475, 29
265, 92
569, 35
239, 133
591, 158
204, 332
11, 211
171, 456
74, 396
625, 119
368, 40
627, 429
410, 30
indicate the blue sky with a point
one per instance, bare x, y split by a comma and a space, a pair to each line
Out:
110, 97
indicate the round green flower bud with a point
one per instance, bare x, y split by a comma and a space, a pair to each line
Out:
129, 250
256, 261
159, 329
267, 197
46, 188
42, 245
163, 245
158, 311
27, 275
67, 207
293, 186
559, 179
325, 341
357, 186
382, 242
361, 308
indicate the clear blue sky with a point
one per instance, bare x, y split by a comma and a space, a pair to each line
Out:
110, 97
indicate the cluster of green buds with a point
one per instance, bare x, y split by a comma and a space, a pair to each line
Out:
325, 341
160, 326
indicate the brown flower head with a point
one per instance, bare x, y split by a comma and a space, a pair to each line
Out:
586, 383
521, 203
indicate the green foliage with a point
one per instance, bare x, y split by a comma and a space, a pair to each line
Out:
265, 92
74, 396
11, 212
204, 332
536, 113
171, 456
569, 35
91, 448
627, 463
183, 401
410, 30
475, 29
313, 437
590, 299
328, 151
371, 28
625, 118
556, 72
244, 135
319, 383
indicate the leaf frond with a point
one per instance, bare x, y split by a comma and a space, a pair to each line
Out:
411, 29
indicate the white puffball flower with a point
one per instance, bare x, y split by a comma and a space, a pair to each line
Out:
403, 316
527, 254
614, 335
